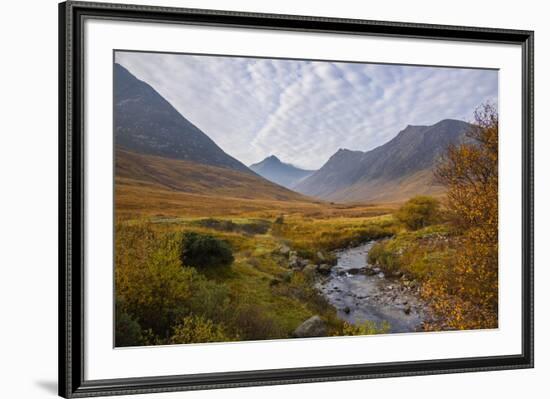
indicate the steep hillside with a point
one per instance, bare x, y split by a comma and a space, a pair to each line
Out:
144, 122
391, 172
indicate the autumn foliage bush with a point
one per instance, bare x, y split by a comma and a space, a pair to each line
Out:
469, 295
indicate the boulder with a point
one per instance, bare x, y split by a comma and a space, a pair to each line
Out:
324, 268
284, 249
296, 266
310, 269
312, 327
320, 255
369, 271
293, 259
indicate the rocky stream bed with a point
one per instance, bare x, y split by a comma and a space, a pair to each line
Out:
361, 292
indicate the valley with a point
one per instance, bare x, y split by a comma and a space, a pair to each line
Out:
210, 250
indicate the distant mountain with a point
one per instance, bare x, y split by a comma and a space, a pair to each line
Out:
144, 122
391, 172
284, 174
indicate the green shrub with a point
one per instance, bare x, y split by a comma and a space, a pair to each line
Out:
128, 330
204, 250
419, 212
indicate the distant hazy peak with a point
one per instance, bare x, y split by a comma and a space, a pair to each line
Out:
269, 159
284, 174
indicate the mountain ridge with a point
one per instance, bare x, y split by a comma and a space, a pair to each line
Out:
145, 122
350, 176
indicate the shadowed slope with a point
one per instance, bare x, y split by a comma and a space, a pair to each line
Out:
148, 124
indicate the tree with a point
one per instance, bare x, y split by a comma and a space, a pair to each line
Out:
470, 171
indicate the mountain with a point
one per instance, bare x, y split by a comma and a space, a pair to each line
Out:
144, 122
391, 172
284, 174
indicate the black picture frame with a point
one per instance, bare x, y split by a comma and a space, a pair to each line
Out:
71, 200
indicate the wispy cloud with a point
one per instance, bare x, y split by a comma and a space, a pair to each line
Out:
304, 111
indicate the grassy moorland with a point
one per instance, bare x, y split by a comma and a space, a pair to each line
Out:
162, 300
164, 296
198, 266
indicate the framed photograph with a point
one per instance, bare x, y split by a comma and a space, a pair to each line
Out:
252, 199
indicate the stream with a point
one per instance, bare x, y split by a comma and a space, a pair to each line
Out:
360, 292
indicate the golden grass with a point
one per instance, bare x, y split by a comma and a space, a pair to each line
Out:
310, 235
132, 201
148, 186
172, 197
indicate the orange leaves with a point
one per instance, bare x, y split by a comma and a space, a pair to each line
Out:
470, 171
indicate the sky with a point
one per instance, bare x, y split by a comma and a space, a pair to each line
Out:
304, 111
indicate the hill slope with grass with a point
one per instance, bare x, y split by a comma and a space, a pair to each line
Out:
154, 172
